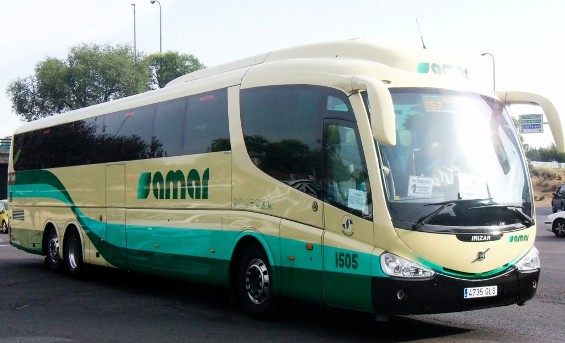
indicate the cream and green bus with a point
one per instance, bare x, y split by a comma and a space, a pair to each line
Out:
354, 174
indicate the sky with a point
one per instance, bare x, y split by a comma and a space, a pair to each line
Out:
526, 38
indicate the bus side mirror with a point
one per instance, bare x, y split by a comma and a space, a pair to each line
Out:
381, 108
555, 121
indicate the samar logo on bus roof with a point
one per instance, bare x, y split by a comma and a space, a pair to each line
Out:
442, 69
175, 185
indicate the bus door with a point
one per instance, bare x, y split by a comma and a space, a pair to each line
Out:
348, 236
116, 213
301, 259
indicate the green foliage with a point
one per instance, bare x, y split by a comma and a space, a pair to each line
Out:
171, 65
545, 154
93, 74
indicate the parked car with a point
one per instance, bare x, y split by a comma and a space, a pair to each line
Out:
558, 201
556, 223
4, 216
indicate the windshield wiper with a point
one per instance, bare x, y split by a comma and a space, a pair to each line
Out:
516, 209
422, 221
444, 204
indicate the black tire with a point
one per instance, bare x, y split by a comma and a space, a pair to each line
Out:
559, 227
72, 253
4, 227
52, 259
254, 284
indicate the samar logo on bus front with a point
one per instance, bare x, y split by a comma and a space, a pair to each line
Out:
518, 238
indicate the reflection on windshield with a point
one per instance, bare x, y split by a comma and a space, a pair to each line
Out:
452, 146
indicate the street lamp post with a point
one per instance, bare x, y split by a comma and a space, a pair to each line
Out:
134, 38
160, 26
493, 69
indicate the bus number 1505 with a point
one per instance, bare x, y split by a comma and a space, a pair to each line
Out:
346, 260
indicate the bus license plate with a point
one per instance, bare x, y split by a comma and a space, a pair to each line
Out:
480, 292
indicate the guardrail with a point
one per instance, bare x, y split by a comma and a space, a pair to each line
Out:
547, 164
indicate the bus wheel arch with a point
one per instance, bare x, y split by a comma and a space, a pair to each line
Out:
51, 248
73, 251
251, 278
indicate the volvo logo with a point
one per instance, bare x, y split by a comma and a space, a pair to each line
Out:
481, 255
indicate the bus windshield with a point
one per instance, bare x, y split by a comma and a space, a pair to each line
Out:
457, 163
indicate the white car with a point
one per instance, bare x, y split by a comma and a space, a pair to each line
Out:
556, 223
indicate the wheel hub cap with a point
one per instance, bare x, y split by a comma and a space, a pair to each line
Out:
257, 281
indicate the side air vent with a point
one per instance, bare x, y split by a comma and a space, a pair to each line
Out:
18, 214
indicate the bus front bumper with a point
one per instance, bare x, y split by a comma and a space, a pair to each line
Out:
441, 293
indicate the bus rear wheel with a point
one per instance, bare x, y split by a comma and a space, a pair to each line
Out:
52, 258
254, 284
72, 250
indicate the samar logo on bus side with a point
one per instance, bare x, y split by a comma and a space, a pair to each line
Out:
347, 225
175, 185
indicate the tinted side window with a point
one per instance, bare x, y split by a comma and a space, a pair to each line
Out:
73, 145
168, 127
27, 150
193, 125
282, 127
92, 131
50, 148
128, 134
206, 124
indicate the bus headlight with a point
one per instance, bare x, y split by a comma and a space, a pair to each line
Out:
530, 261
396, 266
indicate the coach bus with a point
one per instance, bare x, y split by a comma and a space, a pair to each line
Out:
355, 174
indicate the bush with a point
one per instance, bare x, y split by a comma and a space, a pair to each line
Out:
546, 173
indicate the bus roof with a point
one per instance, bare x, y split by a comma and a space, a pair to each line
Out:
402, 65
392, 55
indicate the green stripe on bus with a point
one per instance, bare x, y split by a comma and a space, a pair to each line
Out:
440, 270
40, 182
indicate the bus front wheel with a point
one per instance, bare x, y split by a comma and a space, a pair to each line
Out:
254, 284
73, 254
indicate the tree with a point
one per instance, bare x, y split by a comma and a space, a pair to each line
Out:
91, 74
548, 154
170, 65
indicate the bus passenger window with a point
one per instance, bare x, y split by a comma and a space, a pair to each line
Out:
168, 128
282, 132
206, 123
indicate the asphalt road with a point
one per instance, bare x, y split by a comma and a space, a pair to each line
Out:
37, 305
